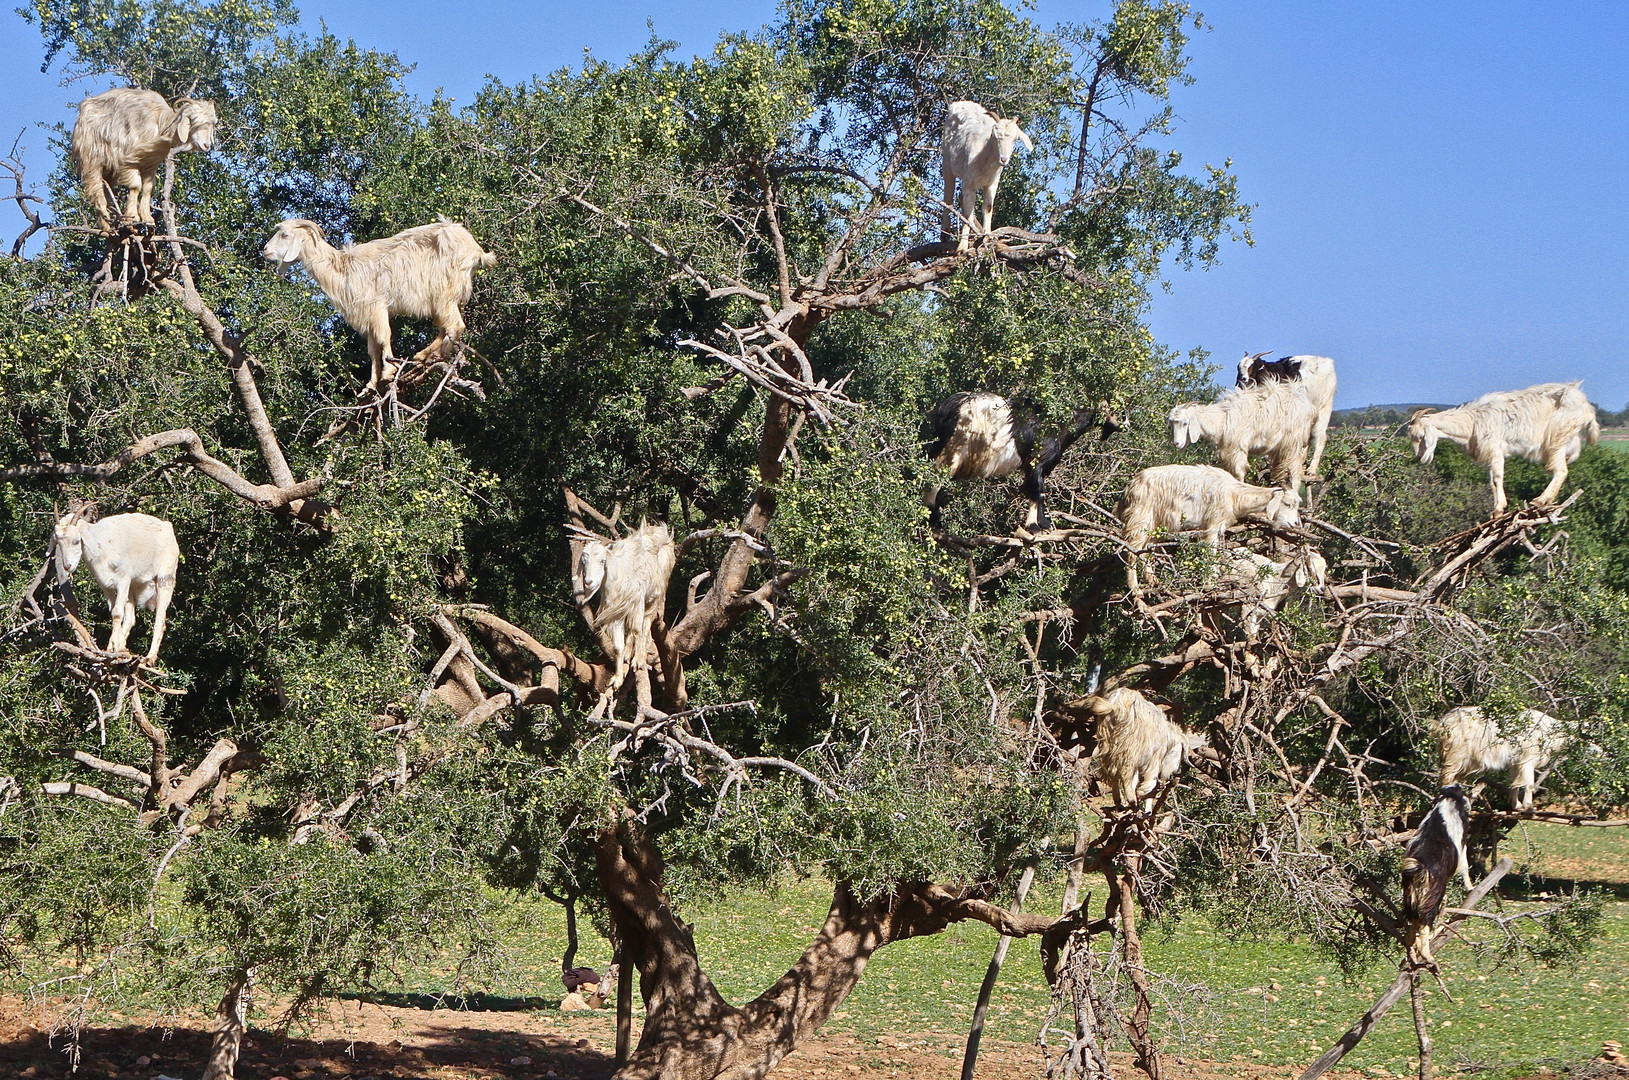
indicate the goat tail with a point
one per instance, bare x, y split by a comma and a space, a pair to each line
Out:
486, 258
1594, 432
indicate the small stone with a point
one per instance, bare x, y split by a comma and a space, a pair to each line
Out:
582, 1042
521, 1060
144, 1060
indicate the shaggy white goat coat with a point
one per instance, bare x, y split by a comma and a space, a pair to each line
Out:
123, 136
133, 557
1471, 743
425, 272
1317, 374
1138, 746
1196, 499
1269, 583
1273, 419
1546, 424
630, 576
975, 147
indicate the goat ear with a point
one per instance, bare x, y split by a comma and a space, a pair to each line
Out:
1023, 138
183, 124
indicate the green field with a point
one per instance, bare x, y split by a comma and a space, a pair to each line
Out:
1267, 1002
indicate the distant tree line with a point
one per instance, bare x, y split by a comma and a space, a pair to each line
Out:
1395, 416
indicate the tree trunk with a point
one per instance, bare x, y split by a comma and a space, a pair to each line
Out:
230, 1025
691, 1032
1131, 951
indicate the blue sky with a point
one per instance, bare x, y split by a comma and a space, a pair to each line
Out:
1441, 190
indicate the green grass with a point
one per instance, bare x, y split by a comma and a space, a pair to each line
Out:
1269, 1002
1264, 1002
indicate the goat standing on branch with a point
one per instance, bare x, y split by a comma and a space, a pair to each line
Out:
1546, 424
630, 576
1471, 743
425, 272
1138, 746
133, 557
1317, 374
1433, 857
121, 138
980, 436
1195, 498
1274, 419
975, 147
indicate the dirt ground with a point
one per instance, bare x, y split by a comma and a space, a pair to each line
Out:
358, 1041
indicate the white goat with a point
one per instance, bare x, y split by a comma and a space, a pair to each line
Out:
631, 575
425, 272
1471, 743
1196, 498
133, 558
1546, 424
123, 136
1317, 374
1268, 583
1138, 746
975, 147
1274, 419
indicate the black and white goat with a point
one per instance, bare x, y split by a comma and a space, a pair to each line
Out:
981, 436
1433, 857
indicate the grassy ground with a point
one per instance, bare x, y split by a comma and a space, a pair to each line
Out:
1267, 1006
1268, 1003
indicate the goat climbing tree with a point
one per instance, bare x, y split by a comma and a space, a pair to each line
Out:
720, 302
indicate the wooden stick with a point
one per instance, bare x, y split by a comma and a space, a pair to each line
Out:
1416, 993
971, 1055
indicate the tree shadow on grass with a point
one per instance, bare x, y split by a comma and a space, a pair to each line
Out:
441, 1053
455, 1002
1541, 887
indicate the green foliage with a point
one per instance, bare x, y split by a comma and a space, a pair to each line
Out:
870, 666
172, 46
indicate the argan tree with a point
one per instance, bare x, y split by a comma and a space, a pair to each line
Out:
721, 302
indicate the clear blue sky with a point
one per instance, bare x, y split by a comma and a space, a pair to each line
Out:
1441, 189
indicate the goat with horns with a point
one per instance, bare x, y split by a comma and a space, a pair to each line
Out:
975, 147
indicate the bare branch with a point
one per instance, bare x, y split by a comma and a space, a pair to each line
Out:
85, 791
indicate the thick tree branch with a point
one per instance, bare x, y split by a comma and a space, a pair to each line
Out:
263, 496
85, 791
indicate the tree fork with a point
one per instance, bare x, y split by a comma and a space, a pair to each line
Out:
692, 1033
